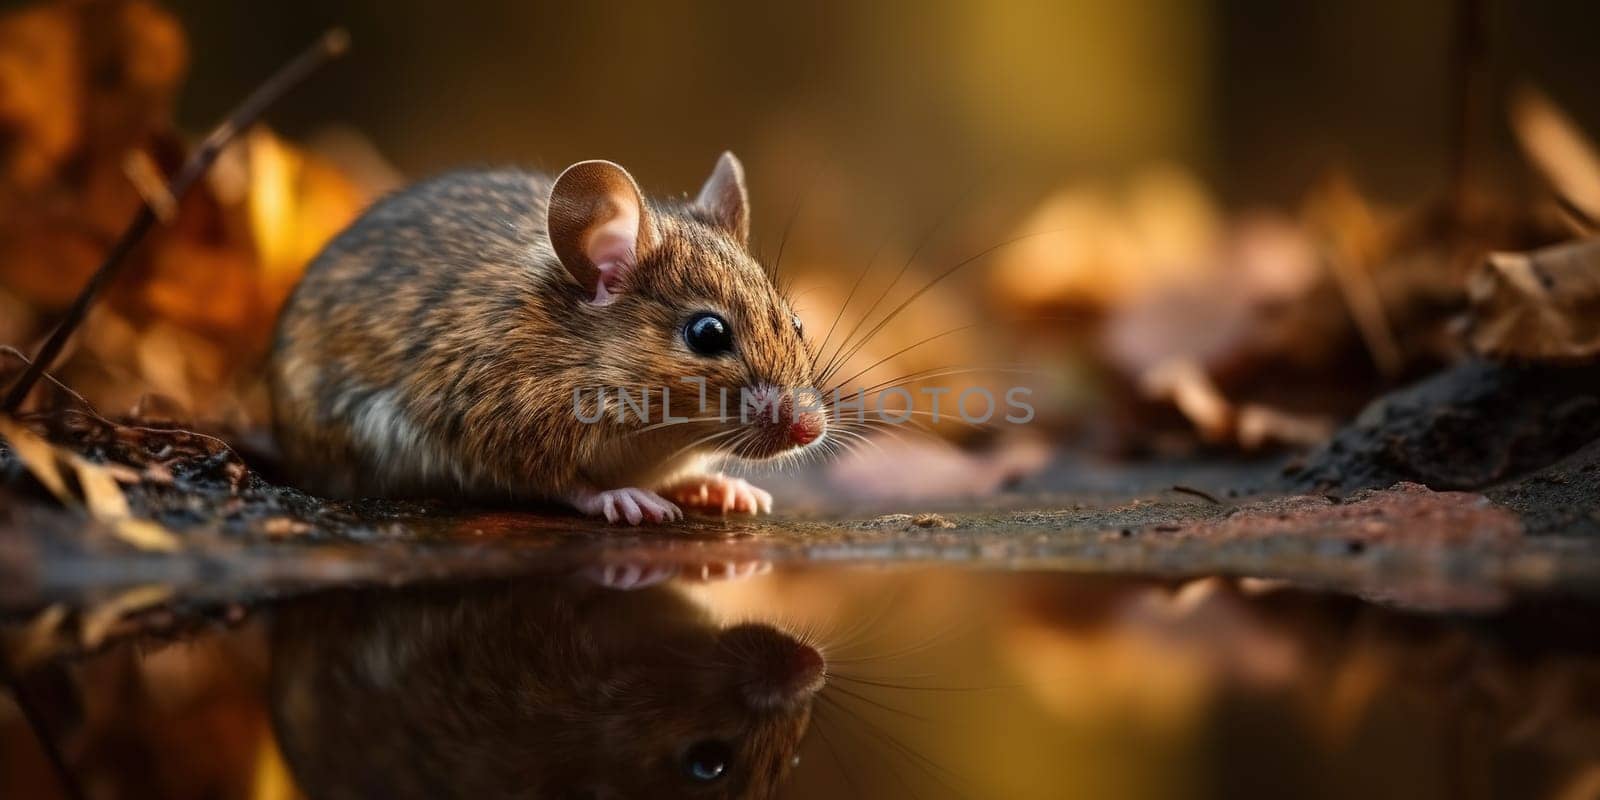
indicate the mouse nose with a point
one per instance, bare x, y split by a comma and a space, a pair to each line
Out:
806, 428
777, 670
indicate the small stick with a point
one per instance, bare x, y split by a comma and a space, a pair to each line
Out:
1578, 215
141, 169
331, 45
1200, 493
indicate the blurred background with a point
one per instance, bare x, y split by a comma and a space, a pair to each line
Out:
1241, 221
908, 103
1229, 224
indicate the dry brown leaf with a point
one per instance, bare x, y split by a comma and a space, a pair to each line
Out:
1540, 305
146, 535
101, 494
1184, 383
1558, 149
105, 501
1259, 426
39, 456
122, 472
99, 620
36, 642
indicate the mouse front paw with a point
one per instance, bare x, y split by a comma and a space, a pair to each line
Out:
719, 492
630, 504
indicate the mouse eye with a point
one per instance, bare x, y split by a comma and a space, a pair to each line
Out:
707, 760
708, 334
799, 328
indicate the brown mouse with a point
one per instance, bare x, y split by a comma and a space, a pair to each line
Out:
555, 689
450, 341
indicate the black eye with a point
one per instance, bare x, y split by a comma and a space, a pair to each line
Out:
798, 327
707, 760
708, 334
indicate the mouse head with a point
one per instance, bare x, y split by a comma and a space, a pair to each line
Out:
535, 688
676, 301
714, 714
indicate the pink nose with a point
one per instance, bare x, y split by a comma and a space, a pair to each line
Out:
806, 428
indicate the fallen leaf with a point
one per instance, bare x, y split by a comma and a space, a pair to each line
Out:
1259, 426
146, 535
1184, 383
105, 501
36, 642
39, 456
101, 494
99, 620
1541, 305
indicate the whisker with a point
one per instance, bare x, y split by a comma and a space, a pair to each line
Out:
903, 351
701, 441
876, 703
910, 754
794, 214
849, 780
894, 771
851, 636
670, 423
922, 242
937, 372
936, 337
821, 348
917, 688
876, 329
936, 638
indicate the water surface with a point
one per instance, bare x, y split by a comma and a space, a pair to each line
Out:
940, 681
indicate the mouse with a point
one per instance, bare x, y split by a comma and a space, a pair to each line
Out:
490, 333
555, 688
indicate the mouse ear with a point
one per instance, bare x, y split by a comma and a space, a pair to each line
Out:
599, 225
724, 199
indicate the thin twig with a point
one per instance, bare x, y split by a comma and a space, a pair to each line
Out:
1577, 215
1200, 493
331, 45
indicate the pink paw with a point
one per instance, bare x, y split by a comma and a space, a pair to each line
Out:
721, 493
633, 505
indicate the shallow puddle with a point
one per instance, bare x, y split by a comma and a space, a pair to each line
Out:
636, 681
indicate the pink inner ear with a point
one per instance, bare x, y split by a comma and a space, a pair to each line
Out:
611, 249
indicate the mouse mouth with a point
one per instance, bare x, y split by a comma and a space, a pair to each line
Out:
779, 422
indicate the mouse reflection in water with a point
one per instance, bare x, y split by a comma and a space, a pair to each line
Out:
536, 689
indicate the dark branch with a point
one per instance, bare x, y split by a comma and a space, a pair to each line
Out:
331, 45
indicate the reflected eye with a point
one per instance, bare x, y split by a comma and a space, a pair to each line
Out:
799, 328
708, 334
707, 760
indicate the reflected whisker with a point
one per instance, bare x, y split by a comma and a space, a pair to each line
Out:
875, 703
